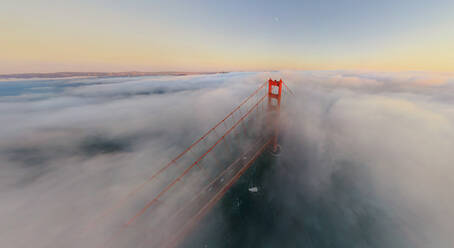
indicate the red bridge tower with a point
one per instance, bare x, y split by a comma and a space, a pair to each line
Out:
274, 106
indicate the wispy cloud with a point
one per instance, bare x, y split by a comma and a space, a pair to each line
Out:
356, 146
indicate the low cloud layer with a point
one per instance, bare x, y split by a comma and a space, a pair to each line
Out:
375, 147
372, 147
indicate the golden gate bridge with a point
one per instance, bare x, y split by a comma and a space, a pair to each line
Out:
186, 188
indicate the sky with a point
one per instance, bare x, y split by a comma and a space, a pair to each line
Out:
236, 35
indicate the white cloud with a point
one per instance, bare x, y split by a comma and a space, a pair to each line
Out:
55, 179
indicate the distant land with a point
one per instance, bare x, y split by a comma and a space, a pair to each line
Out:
99, 74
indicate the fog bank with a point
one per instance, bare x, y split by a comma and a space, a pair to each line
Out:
366, 156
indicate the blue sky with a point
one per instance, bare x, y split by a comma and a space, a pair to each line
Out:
227, 35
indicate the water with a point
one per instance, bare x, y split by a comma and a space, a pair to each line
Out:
283, 215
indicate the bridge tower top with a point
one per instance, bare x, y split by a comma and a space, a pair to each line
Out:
274, 94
